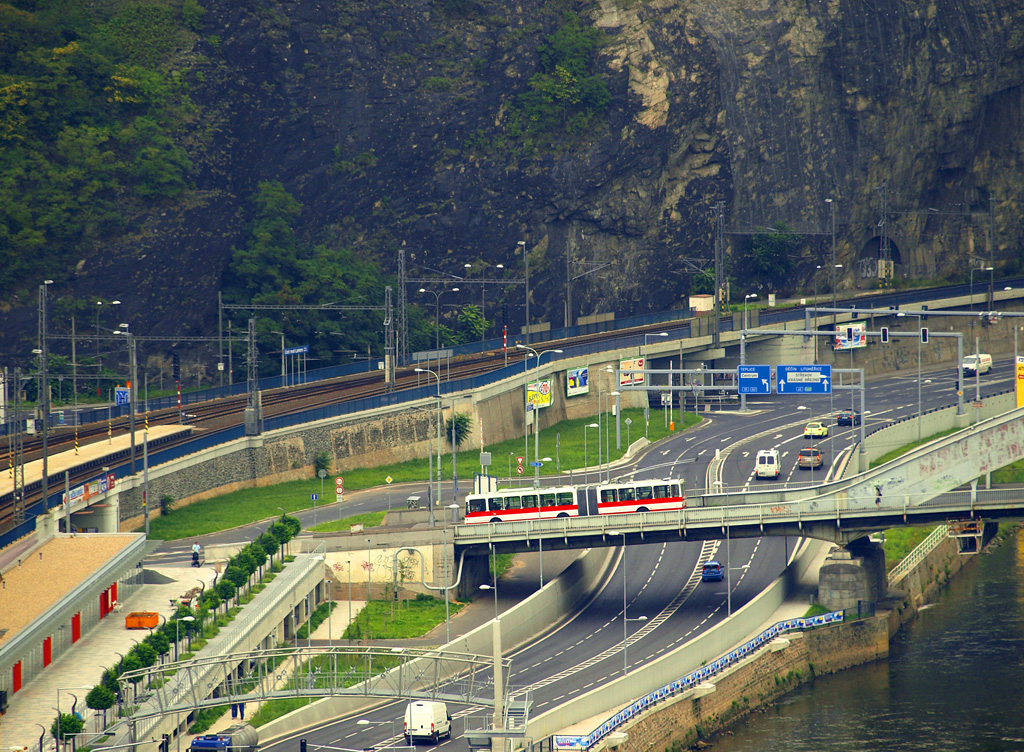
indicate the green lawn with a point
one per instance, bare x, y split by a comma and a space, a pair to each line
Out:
900, 451
564, 443
394, 620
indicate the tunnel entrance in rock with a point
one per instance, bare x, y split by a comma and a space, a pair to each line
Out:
869, 258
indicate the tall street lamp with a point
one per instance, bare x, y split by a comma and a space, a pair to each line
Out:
901, 314
437, 318
438, 498
60, 739
282, 355
646, 337
743, 344
832, 207
485, 586
590, 425
132, 387
536, 408
607, 433
973, 269
625, 617
447, 585
177, 634
526, 260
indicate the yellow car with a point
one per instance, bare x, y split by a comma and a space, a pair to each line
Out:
817, 429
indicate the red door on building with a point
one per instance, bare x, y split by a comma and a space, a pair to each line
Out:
47, 651
16, 678
76, 627
104, 603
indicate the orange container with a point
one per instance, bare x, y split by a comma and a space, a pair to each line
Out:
141, 620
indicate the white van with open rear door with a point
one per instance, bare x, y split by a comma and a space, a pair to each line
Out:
427, 721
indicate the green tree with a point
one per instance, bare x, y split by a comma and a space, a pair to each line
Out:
461, 424
769, 257
471, 325
68, 725
100, 698
236, 576
226, 590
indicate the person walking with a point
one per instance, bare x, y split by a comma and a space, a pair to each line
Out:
196, 550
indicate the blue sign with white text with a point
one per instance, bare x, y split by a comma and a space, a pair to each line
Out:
754, 379
803, 379
122, 396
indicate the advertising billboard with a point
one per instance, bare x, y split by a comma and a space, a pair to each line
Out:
538, 394
625, 379
850, 336
577, 381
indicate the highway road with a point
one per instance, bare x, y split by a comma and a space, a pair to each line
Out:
661, 581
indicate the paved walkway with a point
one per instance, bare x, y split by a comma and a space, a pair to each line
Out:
79, 669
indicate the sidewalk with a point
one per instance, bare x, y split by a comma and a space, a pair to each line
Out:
79, 669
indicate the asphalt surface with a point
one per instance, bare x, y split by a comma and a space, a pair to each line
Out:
660, 581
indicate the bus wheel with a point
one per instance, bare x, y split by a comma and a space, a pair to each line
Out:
562, 514
643, 509
495, 519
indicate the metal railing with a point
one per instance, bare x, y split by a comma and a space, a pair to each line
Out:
915, 557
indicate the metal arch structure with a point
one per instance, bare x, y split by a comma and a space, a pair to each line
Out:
310, 671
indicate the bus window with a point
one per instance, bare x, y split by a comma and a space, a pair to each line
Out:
607, 495
513, 502
547, 500
644, 492
476, 505
495, 503
661, 492
565, 499
530, 502
676, 490
627, 494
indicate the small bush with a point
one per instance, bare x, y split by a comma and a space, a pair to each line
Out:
166, 505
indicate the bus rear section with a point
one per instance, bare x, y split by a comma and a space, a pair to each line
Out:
641, 496
522, 504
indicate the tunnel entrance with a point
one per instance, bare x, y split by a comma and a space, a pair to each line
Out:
869, 260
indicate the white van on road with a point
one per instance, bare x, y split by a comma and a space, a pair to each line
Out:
768, 464
427, 721
976, 364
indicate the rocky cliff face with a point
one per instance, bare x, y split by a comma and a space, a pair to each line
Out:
388, 120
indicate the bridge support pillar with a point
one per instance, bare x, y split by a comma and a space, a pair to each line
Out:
475, 572
851, 574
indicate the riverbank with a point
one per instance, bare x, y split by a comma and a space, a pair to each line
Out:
692, 720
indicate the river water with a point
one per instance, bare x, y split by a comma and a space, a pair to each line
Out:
954, 679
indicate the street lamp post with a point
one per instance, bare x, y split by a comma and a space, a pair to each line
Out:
485, 586
585, 465
447, 585
536, 408
973, 269
177, 634
743, 344
438, 498
644, 350
607, 434
625, 617
526, 260
60, 740
366, 722
132, 387
832, 208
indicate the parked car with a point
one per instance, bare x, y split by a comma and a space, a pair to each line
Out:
809, 457
848, 417
712, 572
815, 429
767, 464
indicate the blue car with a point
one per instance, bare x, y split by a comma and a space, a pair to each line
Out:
712, 572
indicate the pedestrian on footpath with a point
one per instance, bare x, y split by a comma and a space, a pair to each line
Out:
196, 550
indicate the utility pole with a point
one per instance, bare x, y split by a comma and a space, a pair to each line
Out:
403, 310
719, 261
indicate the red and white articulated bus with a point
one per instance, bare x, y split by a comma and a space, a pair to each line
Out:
574, 501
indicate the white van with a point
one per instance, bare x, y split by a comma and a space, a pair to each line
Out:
976, 364
768, 464
427, 721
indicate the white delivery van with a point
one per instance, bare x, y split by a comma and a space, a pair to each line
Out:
768, 464
427, 721
976, 364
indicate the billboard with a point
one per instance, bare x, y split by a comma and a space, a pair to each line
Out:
850, 336
577, 381
1020, 380
538, 394
626, 379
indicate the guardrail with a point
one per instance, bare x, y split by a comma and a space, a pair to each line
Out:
691, 681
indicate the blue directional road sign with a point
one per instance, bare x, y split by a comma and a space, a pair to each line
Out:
754, 379
803, 379
122, 396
